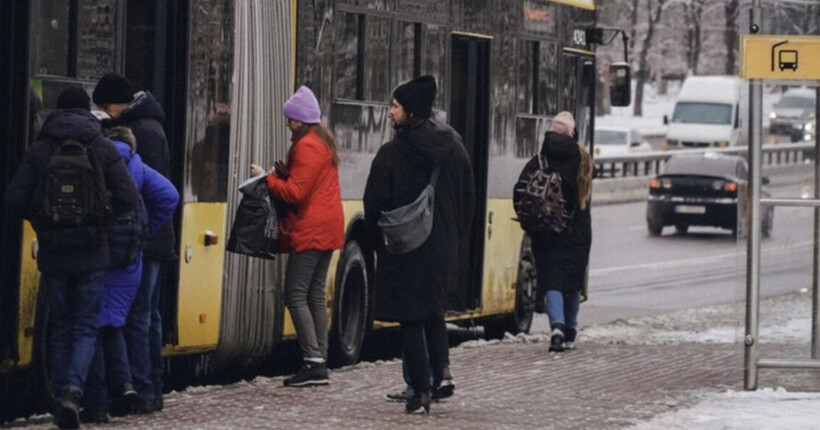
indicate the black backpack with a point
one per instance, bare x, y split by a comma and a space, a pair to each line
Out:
538, 199
73, 205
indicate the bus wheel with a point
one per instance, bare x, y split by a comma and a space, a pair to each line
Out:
351, 310
526, 287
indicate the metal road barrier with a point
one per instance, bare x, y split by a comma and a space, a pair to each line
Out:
651, 163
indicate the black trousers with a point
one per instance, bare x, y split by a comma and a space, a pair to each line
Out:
426, 349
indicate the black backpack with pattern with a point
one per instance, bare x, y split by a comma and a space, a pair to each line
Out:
72, 206
539, 200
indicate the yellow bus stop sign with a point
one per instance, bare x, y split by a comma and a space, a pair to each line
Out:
779, 57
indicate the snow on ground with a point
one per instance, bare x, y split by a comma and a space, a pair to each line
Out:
765, 409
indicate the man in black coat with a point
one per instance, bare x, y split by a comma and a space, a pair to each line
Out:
142, 113
412, 288
72, 280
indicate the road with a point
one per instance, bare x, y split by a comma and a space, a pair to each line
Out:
634, 274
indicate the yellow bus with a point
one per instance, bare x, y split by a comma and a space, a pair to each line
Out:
221, 70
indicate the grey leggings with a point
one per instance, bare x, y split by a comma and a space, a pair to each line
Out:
305, 299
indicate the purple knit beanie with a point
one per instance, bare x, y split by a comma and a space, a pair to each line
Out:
302, 106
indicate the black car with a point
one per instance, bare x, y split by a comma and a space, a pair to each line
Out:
701, 190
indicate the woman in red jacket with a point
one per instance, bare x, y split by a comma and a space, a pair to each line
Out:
313, 228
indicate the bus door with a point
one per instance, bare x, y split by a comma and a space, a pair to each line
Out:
470, 115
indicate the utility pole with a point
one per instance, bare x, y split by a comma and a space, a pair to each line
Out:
750, 369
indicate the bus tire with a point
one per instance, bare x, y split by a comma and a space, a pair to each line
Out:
526, 287
351, 307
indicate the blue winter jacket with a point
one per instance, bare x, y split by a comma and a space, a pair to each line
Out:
161, 199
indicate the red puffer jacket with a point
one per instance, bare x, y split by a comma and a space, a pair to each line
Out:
315, 219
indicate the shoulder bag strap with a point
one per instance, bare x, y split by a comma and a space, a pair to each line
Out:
434, 176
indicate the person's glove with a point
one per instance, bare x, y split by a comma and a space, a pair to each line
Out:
281, 170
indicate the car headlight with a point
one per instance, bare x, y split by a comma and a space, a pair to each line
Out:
721, 144
773, 115
808, 127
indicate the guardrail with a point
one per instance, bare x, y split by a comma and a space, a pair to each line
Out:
651, 163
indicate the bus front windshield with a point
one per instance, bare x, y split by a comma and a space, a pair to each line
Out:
702, 113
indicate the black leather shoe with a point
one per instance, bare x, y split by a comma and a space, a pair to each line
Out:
90, 416
144, 407
68, 413
125, 399
418, 404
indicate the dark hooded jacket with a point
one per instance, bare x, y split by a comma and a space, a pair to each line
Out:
80, 125
561, 260
414, 286
145, 117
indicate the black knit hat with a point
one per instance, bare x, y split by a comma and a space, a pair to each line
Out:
416, 96
74, 98
113, 88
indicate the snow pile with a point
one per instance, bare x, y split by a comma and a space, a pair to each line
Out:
770, 409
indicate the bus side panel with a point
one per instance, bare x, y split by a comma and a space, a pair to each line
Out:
29, 286
501, 253
200, 274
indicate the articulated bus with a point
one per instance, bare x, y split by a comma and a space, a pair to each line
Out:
222, 70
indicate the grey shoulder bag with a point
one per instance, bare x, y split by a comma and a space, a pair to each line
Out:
407, 227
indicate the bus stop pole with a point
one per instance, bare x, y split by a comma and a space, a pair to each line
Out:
753, 226
815, 286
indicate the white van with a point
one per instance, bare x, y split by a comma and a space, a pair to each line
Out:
710, 111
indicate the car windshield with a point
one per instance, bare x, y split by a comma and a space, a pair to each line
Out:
610, 137
702, 113
706, 166
792, 102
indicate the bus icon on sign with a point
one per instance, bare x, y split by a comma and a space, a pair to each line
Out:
787, 59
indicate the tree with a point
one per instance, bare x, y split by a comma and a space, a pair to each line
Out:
655, 13
693, 11
730, 34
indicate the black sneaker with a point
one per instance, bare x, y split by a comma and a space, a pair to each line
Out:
557, 339
401, 396
418, 404
569, 340
125, 400
444, 390
91, 416
68, 413
143, 406
309, 373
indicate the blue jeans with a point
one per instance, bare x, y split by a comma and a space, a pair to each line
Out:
110, 368
562, 308
74, 306
143, 334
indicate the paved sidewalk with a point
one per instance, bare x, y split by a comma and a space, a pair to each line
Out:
621, 374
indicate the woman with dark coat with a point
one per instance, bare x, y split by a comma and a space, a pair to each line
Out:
412, 288
561, 259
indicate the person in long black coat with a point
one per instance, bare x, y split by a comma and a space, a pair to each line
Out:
561, 259
412, 288
143, 114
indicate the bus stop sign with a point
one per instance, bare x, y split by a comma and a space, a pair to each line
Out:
779, 57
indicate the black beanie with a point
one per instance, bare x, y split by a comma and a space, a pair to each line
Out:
74, 98
416, 96
113, 88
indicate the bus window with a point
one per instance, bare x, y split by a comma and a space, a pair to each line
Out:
421, 51
537, 78
360, 73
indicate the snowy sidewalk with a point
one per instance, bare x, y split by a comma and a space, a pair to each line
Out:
672, 371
